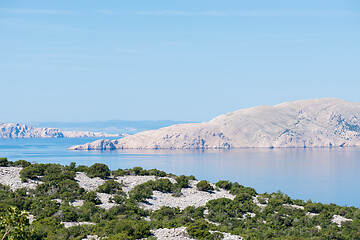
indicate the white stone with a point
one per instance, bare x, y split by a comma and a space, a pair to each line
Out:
72, 224
309, 214
10, 176
15, 130
293, 206
337, 219
189, 197
89, 184
180, 233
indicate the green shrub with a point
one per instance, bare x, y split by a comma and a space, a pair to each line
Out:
224, 184
21, 163
91, 197
4, 162
119, 198
199, 230
204, 186
32, 171
182, 181
314, 207
236, 189
66, 189
137, 170
120, 172
15, 225
163, 185
81, 168
157, 173
110, 186
98, 170
141, 192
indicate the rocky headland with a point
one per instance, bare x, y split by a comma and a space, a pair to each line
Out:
328, 122
15, 130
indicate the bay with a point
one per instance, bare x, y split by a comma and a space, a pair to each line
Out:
320, 174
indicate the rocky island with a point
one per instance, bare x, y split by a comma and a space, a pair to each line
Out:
15, 130
328, 122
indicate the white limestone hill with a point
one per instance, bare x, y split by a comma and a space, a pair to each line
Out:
15, 130
328, 122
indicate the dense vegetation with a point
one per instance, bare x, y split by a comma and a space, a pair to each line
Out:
51, 204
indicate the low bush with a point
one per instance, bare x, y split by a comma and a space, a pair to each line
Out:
163, 185
21, 163
204, 186
98, 170
141, 192
224, 184
91, 197
110, 186
236, 189
4, 162
200, 230
182, 181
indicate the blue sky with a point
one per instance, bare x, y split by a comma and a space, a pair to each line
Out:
187, 60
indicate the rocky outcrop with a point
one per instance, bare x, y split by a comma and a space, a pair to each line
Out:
15, 130
10, 176
180, 233
326, 122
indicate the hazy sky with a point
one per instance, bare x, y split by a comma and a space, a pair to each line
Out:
188, 60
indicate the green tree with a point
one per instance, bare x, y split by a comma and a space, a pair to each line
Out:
111, 186
14, 225
204, 186
98, 170
21, 163
4, 162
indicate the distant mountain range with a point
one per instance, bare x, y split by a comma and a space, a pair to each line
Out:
328, 122
15, 130
112, 126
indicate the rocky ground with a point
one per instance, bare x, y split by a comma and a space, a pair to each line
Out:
10, 176
181, 234
189, 197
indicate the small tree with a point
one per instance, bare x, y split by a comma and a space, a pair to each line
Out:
21, 163
224, 184
111, 186
4, 162
14, 225
98, 170
204, 186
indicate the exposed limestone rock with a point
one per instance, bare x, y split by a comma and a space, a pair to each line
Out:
72, 224
189, 197
10, 176
337, 219
15, 130
180, 233
89, 184
171, 233
293, 206
326, 122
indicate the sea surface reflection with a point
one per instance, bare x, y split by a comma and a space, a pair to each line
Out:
321, 174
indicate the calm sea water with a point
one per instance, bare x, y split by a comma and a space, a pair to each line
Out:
322, 175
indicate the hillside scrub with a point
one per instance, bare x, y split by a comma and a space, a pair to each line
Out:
98, 170
279, 216
204, 186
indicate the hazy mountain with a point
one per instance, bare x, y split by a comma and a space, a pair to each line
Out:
15, 130
326, 122
112, 126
